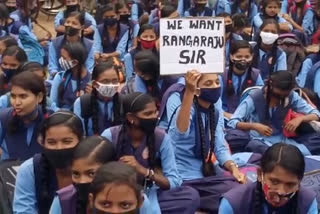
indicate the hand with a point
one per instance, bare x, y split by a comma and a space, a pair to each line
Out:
192, 78
239, 176
88, 31
105, 56
263, 129
88, 88
287, 17
293, 124
131, 161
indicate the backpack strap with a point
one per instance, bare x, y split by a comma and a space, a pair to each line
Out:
16, 27
4, 119
37, 175
310, 76
86, 113
57, 44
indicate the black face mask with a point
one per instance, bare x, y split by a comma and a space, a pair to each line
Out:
82, 191
71, 31
228, 28
59, 159
300, 4
124, 19
97, 211
246, 37
9, 73
148, 125
11, 9
210, 95
241, 64
72, 8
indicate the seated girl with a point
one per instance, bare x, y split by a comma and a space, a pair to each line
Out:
202, 8
247, 7
263, 112
278, 187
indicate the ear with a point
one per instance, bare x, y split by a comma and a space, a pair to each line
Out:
131, 118
259, 174
95, 84
75, 62
40, 97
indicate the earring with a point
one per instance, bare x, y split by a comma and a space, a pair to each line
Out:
132, 122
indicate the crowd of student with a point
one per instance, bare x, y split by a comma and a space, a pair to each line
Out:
101, 131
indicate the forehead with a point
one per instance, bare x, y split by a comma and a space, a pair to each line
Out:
206, 77
117, 192
283, 175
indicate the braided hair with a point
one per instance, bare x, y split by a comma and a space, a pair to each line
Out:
77, 52
289, 158
67, 119
207, 165
134, 103
235, 46
29, 82
107, 66
98, 150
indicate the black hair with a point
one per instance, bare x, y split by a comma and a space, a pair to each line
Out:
70, 10
264, 4
4, 12
105, 38
224, 15
67, 119
123, 175
240, 21
99, 69
147, 62
207, 165
289, 158
236, 5
78, 52
235, 46
9, 41
31, 82
119, 5
32, 66
133, 103
95, 148
16, 52
167, 10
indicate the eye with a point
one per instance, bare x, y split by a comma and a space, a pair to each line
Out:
125, 205
274, 182
106, 204
51, 142
91, 174
75, 174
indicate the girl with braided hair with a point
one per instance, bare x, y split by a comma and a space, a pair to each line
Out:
41, 176
20, 123
197, 131
263, 113
149, 150
88, 157
278, 187
100, 109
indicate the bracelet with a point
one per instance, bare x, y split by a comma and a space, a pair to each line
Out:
234, 164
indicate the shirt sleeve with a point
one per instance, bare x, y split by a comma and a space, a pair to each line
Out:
313, 208
180, 8
168, 163
317, 80
282, 62
57, 19
299, 105
90, 18
54, 88
259, 81
121, 48
55, 207
128, 66
4, 101
186, 13
53, 62
307, 22
77, 110
24, 201
225, 207
284, 6
257, 22
134, 13
97, 41
221, 149
242, 113
90, 60
107, 134
306, 67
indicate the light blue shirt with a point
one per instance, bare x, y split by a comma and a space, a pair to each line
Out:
16, 15
302, 76
87, 17
316, 82
25, 201
135, 12
253, 11
128, 63
188, 165
307, 22
168, 165
257, 22
77, 110
246, 112
281, 63
226, 208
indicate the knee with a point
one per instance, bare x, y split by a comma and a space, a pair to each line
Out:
193, 196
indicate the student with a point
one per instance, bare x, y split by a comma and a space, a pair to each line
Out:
247, 7
239, 76
148, 149
88, 157
270, 10
40, 177
147, 78
315, 30
11, 5
100, 109
74, 25
26, 11
268, 57
200, 9
71, 83
117, 188
146, 40
198, 138
20, 122
242, 27
72, 6
6, 42
12, 58
167, 11
278, 187
113, 35
263, 111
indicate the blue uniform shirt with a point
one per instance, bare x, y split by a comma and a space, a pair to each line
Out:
302, 76
257, 22
219, 7
246, 113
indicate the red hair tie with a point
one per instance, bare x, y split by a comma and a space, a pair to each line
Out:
14, 113
46, 115
229, 81
249, 81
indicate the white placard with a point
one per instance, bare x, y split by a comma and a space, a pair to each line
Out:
192, 43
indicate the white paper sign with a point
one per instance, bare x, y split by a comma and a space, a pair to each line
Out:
192, 43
